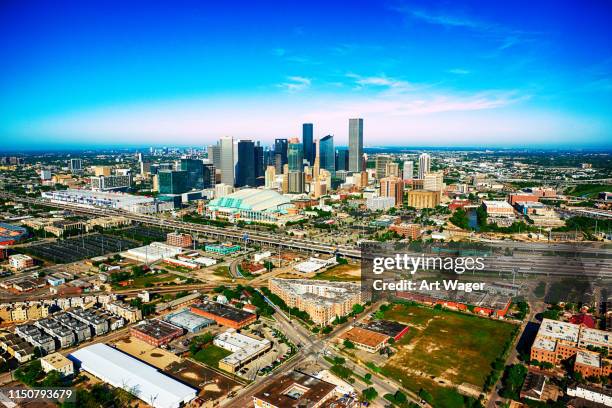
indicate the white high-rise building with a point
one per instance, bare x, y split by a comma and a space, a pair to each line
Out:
227, 160
424, 165
408, 170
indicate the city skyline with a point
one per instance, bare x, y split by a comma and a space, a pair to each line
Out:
423, 74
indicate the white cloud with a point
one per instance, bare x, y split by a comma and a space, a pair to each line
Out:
295, 84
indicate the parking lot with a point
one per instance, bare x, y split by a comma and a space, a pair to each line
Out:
264, 364
78, 248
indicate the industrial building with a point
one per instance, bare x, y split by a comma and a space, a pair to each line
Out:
123, 371
155, 332
152, 253
224, 315
187, 320
244, 349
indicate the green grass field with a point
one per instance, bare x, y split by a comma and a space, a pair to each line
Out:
211, 354
452, 347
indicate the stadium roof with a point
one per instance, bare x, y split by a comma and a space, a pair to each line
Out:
252, 200
123, 371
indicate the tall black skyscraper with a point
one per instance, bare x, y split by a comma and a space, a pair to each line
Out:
245, 167
259, 160
307, 142
280, 148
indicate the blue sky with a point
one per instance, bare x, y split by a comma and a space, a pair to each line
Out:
471, 73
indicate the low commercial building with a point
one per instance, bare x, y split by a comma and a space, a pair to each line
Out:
21, 261
244, 349
181, 263
314, 264
107, 222
389, 328
295, 389
365, 339
57, 362
155, 332
123, 371
595, 395
222, 249
224, 315
152, 253
322, 300
189, 321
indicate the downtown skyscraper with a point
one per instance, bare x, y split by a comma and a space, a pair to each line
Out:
355, 145
308, 143
245, 167
227, 160
328, 154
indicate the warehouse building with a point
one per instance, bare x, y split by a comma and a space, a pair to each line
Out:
123, 371
224, 315
188, 320
364, 339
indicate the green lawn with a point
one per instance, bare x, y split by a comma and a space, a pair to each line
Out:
142, 280
222, 271
456, 347
340, 273
211, 354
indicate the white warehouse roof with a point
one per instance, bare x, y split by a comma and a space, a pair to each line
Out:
122, 371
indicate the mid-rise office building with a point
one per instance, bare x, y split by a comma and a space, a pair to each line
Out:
76, 165
195, 173
111, 183
380, 163
342, 160
392, 187
173, 181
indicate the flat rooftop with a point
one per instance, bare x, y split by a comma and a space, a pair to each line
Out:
363, 336
559, 330
224, 311
386, 327
157, 328
587, 358
296, 389
187, 320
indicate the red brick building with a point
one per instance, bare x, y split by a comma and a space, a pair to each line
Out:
224, 315
155, 332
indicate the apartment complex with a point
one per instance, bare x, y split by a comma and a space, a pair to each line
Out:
322, 300
559, 341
